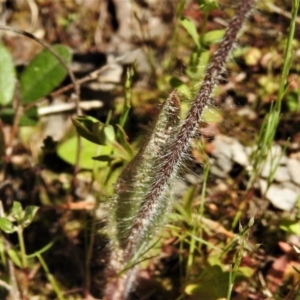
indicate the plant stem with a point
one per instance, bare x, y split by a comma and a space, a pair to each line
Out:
22, 246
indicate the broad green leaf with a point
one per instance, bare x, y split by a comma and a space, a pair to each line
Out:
6, 225
30, 212
7, 76
43, 74
213, 36
16, 211
190, 27
67, 151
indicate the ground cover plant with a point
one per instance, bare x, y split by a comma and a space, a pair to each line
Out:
99, 200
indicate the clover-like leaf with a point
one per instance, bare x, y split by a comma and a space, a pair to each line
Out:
6, 225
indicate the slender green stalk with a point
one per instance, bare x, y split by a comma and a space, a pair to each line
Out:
244, 233
198, 231
50, 278
128, 96
22, 246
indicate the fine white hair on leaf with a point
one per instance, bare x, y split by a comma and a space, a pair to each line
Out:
136, 178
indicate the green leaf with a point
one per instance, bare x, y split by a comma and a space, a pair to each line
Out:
30, 118
7, 115
208, 5
14, 256
30, 212
105, 158
43, 74
211, 115
67, 151
89, 128
290, 226
181, 87
107, 135
213, 36
190, 27
7, 76
6, 225
124, 141
16, 211
292, 100
211, 277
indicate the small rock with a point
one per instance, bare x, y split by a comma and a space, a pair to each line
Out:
293, 166
280, 196
281, 172
239, 154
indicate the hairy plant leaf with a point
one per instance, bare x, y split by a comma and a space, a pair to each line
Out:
7, 76
6, 225
135, 180
190, 27
43, 74
67, 151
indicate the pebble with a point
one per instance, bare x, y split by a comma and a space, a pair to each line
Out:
284, 190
